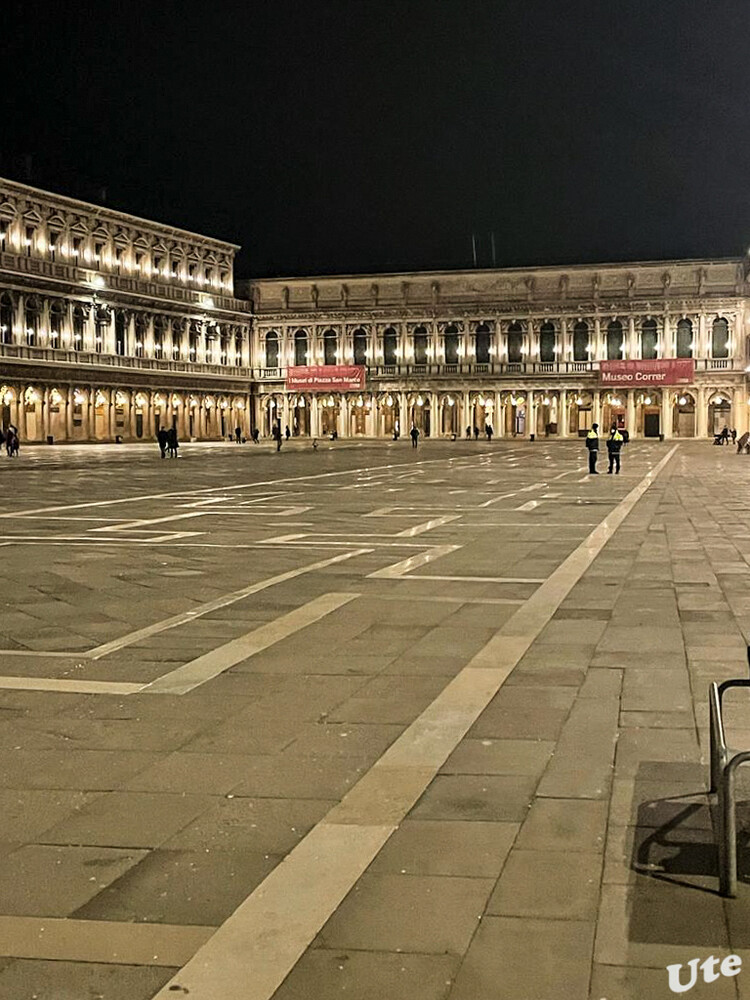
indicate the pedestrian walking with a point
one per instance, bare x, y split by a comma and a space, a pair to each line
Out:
315, 444
476, 433
592, 443
163, 439
172, 443
287, 432
277, 436
414, 432
614, 446
256, 436
238, 435
12, 441
488, 431
468, 433
734, 434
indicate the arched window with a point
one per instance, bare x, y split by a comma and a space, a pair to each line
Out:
6, 318
224, 350
420, 346
300, 348
141, 325
193, 341
159, 324
329, 347
648, 339
515, 343
720, 338
177, 331
482, 344
272, 349
56, 314
238, 349
614, 341
684, 339
390, 346
120, 332
32, 306
547, 342
360, 347
79, 322
581, 341
451, 345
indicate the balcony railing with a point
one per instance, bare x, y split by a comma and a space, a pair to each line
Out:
57, 356
173, 290
501, 369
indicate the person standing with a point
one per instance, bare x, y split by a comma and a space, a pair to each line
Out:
172, 442
238, 435
414, 432
614, 446
162, 438
488, 431
287, 432
476, 433
592, 443
277, 435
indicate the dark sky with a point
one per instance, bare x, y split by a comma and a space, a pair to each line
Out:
362, 136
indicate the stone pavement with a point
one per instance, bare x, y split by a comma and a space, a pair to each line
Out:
462, 692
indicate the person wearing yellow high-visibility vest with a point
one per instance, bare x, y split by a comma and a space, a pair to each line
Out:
614, 447
592, 443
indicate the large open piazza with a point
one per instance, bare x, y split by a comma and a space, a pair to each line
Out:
366, 721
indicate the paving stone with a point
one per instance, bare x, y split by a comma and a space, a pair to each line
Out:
447, 847
492, 798
414, 913
86, 770
25, 814
564, 825
128, 819
47, 881
550, 884
631, 983
265, 826
39, 980
200, 887
323, 973
489, 756
498, 965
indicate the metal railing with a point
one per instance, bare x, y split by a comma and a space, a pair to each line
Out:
724, 765
62, 356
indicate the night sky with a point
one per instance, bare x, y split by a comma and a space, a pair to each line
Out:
335, 137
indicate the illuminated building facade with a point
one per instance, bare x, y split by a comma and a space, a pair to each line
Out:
112, 326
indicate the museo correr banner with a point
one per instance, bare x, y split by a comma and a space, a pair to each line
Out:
325, 378
664, 371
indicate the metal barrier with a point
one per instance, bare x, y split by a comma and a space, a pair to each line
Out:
724, 764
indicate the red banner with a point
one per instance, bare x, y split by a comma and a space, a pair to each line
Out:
665, 371
325, 378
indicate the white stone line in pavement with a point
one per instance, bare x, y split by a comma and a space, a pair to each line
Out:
474, 579
106, 941
220, 602
176, 620
255, 949
420, 529
397, 570
437, 599
204, 668
64, 685
529, 505
142, 523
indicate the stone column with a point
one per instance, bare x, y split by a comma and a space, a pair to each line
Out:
89, 415
630, 412
596, 414
667, 347
739, 411
344, 417
701, 345
531, 413
434, 416
111, 421
597, 353
632, 339
314, 416
69, 404
21, 422
46, 422
564, 425
666, 412
498, 417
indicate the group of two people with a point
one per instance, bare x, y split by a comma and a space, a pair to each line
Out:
168, 443
618, 438
9, 438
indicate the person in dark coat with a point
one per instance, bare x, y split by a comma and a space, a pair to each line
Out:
592, 444
172, 442
163, 438
414, 432
614, 446
488, 431
238, 435
277, 436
